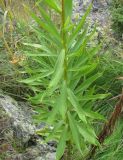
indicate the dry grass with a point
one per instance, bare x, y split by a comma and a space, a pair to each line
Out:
16, 8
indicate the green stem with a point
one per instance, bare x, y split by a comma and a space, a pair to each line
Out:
67, 153
64, 41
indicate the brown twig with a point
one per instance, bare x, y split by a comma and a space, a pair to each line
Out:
115, 97
108, 126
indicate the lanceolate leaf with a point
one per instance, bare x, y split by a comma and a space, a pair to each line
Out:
75, 132
56, 128
31, 79
37, 46
48, 19
53, 5
41, 54
68, 8
84, 69
36, 78
87, 133
47, 37
79, 27
62, 144
87, 83
94, 115
45, 26
94, 51
80, 40
72, 98
58, 70
52, 116
93, 97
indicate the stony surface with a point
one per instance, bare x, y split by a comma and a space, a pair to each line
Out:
17, 133
99, 13
20, 118
99, 16
40, 152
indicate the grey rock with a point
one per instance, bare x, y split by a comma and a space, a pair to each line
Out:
50, 156
17, 157
99, 13
39, 158
20, 119
39, 152
17, 126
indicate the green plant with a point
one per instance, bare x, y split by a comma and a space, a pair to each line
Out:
112, 68
117, 16
112, 148
61, 69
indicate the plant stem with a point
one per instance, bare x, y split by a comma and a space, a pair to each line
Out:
64, 40
67, 153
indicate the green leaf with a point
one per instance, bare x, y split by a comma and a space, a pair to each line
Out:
48, 19
72, 98
47, 37
31, 79
41, 54
43, 132
83, 43
37, 99
52, 115
87, 133
75, 132
94, 51
56, 129
42, 63
87, 83
37, 46
79, 27
84, 69
52, 4
68, 8
81, 37
41, 116
62, 100
93, 97
58, 71
62, 144
44, 50
94, 115
36, 78
46, 26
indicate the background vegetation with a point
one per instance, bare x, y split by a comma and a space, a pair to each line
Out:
117, 17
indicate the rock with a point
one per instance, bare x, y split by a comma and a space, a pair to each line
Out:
39, 152
98, 14
17, 133
19, 120
50, 156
